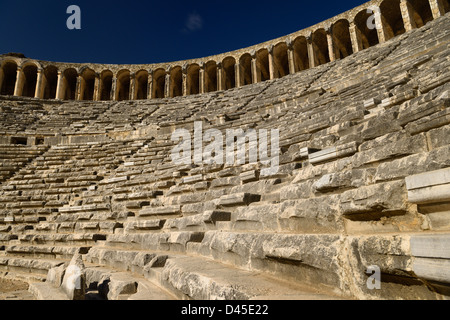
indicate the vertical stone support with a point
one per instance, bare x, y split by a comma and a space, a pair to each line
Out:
133, 90
437, 8
311, 52
237, 74
114, 91
330, 41
79, 88
219, 77
271, 62
256, 77
37, 93
184, 79
290, 52
150, 85
2, 77
59, 86
380, 25
407, 15
167, 85
201, 78
18, 89
97, 88
355, 36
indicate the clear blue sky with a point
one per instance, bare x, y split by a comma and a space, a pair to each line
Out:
135, 32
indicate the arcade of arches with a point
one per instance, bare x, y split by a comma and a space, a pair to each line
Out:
335, 41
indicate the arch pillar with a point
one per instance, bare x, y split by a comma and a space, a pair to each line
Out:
202, 78
290, 52
311, 53
18, 89
167, 85
59, 86
355, 37
437, 8
330, 41
2, 76
380, 25
150, 85
237, 74
114, 91
271, 62
255, 74
79, 88
219, 77
97, 88
407, 15
133, 90
37, 92
184, 80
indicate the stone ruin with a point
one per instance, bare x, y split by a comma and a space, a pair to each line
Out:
92, 205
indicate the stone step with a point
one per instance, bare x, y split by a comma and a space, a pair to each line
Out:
114, 285
203, 279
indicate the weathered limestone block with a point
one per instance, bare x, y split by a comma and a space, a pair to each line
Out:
374, 201
113, 285
429, 187
239, 199
414, 164
432, 259
389, 146
391, 255
333, 153
302, 190
342, 180
160, 211
380, 125
409, 113
439, 137
74, 281
319, 214
154, 224
259, 217
435, 120
55, 276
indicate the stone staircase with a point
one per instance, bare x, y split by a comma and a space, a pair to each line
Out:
362, 181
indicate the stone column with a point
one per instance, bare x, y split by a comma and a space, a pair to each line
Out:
37, 93
380, 25
59, 86
2, 76
132, 86
311, 53
330, 41
290, 52
114, 89
150, 85
18, 89
256, 77
355, 37
437, 8
219, 77
184, 80
271, 62
237, 74
79, 92
407, 15
201, 77
167, 85
97, 88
